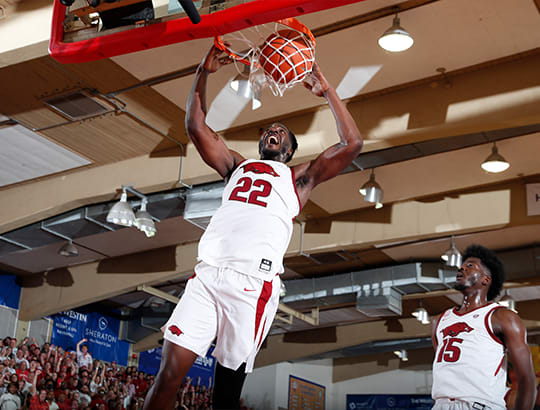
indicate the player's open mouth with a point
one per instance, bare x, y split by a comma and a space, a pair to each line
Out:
272, 140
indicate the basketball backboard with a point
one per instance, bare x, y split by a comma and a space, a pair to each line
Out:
78, 34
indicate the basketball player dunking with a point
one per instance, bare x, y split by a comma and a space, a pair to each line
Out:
234, 293
471, 341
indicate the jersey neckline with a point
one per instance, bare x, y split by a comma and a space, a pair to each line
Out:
455, 310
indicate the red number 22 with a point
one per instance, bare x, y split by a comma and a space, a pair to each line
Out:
246, 184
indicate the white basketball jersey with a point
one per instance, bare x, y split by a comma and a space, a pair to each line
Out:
251, 230
470, 360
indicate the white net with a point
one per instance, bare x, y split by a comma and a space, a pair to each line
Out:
279, 55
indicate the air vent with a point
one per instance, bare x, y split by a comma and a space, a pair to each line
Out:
201, 203
76, 105
379, 302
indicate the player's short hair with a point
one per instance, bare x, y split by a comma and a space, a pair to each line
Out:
294, 145
492, 263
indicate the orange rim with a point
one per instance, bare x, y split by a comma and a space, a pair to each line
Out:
290, 22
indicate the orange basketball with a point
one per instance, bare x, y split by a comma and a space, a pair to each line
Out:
286, 56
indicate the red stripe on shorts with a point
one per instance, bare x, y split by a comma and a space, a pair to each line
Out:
266, 292
262, 333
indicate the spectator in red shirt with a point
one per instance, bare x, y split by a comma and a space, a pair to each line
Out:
22, 371
39, 401
99, 400
141, 386
62, 402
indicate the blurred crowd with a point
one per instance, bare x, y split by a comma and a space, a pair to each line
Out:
47, 377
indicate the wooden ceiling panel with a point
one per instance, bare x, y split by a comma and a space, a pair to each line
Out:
102, 140
25, 84
107, 139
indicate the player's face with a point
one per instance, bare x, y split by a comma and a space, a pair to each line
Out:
471, 274
275, 143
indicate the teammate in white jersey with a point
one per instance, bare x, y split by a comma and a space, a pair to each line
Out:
234, 293
471, 341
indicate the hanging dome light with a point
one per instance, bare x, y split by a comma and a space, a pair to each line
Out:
121, 212
396, 38
495, 162
68, 250
421, 314
372, 191
452, 256
144, 222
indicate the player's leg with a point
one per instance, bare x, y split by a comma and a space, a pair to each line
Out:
175, 363
188, 333
241, 331
228, 387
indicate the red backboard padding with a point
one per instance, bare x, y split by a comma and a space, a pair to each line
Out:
175, 31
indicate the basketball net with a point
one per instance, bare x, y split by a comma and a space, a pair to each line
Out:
276, 64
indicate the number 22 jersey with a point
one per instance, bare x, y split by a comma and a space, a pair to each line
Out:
470, 359
251, 230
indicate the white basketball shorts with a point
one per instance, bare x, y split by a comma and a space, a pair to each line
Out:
457, 404
220, 303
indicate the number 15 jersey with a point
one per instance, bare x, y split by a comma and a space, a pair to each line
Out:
470, 360
251, 230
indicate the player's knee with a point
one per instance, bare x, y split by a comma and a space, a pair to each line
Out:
169, 377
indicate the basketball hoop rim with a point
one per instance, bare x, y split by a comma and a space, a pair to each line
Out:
290, 22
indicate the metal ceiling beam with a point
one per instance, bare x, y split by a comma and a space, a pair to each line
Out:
159, 293
312, 320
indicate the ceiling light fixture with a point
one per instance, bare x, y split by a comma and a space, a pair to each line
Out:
508, 301
372, 191
282, 290
402, 354
452, 256
421, 314
68, 249
244, 88
122, 214
396, 38
495, 162
144, 221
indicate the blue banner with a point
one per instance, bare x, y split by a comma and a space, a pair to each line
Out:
203, 367
389, 401
101, 332
10, 292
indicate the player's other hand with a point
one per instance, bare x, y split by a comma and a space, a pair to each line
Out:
319, 84
215, 59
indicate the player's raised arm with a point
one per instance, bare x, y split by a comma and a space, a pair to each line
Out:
210, 146
434, 323
515, 338
336, 158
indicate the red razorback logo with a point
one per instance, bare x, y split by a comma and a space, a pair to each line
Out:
456, 329
175, 330
259, 168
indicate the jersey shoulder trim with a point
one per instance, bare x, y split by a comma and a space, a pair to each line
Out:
487, 321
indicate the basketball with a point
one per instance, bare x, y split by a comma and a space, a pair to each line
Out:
286, 56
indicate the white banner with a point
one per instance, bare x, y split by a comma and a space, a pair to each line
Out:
533, 199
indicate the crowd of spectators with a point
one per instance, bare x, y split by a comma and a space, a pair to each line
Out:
47, 377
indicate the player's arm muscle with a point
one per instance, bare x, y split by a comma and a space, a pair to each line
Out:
336, 158
209, 145
509, 325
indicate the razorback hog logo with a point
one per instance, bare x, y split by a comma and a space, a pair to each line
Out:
175, 330
456, 329
259, 168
